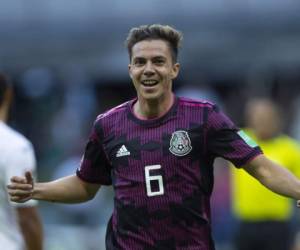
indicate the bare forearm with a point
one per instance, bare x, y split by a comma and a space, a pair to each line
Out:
283, 183
69, 189
276, 178
65, 190
33, 237
31, 228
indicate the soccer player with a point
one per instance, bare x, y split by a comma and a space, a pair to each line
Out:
157, 151
273, 214
20, 225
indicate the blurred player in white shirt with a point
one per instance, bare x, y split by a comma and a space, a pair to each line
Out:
20, 225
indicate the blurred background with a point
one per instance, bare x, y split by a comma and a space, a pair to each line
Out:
69, 63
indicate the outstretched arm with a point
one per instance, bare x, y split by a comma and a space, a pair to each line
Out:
69, 189
276, 178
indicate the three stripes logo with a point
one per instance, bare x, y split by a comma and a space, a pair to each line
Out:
122, 151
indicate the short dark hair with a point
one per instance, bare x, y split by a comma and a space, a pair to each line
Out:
4, 86
155, 31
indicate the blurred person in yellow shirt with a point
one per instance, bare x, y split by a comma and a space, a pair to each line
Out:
263, 215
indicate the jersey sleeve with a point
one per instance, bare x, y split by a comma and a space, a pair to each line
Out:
94, 166
22, 160
226, 140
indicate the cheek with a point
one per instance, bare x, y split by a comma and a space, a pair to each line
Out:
168, 75
163, 73
135, 74
135, 82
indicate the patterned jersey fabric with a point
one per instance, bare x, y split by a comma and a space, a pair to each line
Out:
162, 172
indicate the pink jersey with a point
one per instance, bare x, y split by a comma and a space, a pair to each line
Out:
162, 172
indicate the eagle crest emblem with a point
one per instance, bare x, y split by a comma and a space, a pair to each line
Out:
180, 143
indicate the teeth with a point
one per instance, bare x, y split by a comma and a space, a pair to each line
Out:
149, 82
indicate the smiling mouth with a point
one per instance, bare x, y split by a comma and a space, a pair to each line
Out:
149, 83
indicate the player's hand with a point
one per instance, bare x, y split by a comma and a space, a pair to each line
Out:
21, 188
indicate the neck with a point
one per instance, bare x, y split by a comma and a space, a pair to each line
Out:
150, 109
4, 110
3, 114
5, 105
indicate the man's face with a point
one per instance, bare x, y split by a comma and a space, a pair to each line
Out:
152, 69
263, 119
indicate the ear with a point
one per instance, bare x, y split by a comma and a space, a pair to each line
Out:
129, 70
175, 70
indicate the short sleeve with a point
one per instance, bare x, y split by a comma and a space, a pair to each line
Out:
22, 159
94, 166
226, 140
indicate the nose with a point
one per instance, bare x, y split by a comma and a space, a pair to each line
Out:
149, 69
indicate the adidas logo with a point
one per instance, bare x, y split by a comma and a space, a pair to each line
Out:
122, 151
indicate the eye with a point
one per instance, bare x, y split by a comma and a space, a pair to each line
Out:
159, 61
139, 62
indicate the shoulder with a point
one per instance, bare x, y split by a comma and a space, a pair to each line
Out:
17, 152
207, 108
201, 103
12, 139
197, 104
113, 112
108, 119
212, 115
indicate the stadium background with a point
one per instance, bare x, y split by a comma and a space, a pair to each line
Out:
68, 62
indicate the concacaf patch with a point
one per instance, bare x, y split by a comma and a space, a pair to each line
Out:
247, 139
180, 143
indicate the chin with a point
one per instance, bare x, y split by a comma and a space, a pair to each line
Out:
151, 97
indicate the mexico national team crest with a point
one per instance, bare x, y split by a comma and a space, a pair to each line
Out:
180, 143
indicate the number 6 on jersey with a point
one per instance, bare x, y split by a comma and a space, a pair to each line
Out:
150, 178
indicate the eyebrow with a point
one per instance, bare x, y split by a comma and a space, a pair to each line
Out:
143, 58
138, 58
